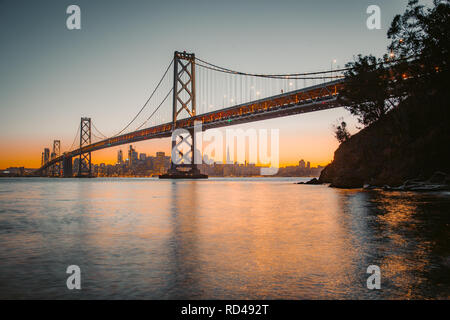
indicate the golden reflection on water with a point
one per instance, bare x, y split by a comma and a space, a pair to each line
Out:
225, 239
401, 223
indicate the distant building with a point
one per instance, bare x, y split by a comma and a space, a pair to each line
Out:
46, 155
142, 156
161, 163
301, 164
228, 161
16, 170
308, 165
119, 157
132, 156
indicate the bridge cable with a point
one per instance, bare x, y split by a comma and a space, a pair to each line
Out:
145, 104
75, 139
164, 100
288, 75
280, 77
98, 131
222, 69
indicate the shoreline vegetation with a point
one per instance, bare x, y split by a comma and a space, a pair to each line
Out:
402, 101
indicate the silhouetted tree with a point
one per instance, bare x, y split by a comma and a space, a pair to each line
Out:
366, 89
340, 131
417, 64
423, 35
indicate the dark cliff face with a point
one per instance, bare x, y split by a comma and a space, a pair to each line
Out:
412, 141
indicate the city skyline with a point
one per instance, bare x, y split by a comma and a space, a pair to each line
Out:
133, 154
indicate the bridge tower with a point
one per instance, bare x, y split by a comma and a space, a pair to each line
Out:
84, 161
56, 152
183, 99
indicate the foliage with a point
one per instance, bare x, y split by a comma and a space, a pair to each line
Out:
366, 89
417, 64
340, 131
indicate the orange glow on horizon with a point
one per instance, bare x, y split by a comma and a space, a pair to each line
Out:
308, 139
30, 157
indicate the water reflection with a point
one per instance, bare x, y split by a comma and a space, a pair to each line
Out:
183, 244
219, 239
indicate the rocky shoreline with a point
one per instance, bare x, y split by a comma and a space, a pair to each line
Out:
439, 181
405, 150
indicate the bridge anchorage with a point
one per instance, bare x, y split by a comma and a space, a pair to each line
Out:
182, 163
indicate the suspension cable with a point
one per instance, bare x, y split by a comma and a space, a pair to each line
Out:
287, 77
164, 100
145, 104
281, 76
98, 131
299, 76
95, 136
75, 139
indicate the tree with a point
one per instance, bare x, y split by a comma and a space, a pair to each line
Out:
416, 67
340, 131
366, 89
422, 35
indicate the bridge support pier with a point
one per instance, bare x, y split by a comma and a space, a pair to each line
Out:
67, 167
183, 164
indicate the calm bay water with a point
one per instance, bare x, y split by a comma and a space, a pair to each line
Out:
219, 239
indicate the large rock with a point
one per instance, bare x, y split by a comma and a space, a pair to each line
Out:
312, 181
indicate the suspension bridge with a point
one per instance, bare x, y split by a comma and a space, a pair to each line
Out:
205, 92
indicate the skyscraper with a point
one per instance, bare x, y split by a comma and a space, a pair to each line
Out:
46, 155
119, 157
132, 156
301, 164
159, 163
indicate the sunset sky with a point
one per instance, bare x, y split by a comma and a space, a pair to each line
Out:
51, 76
